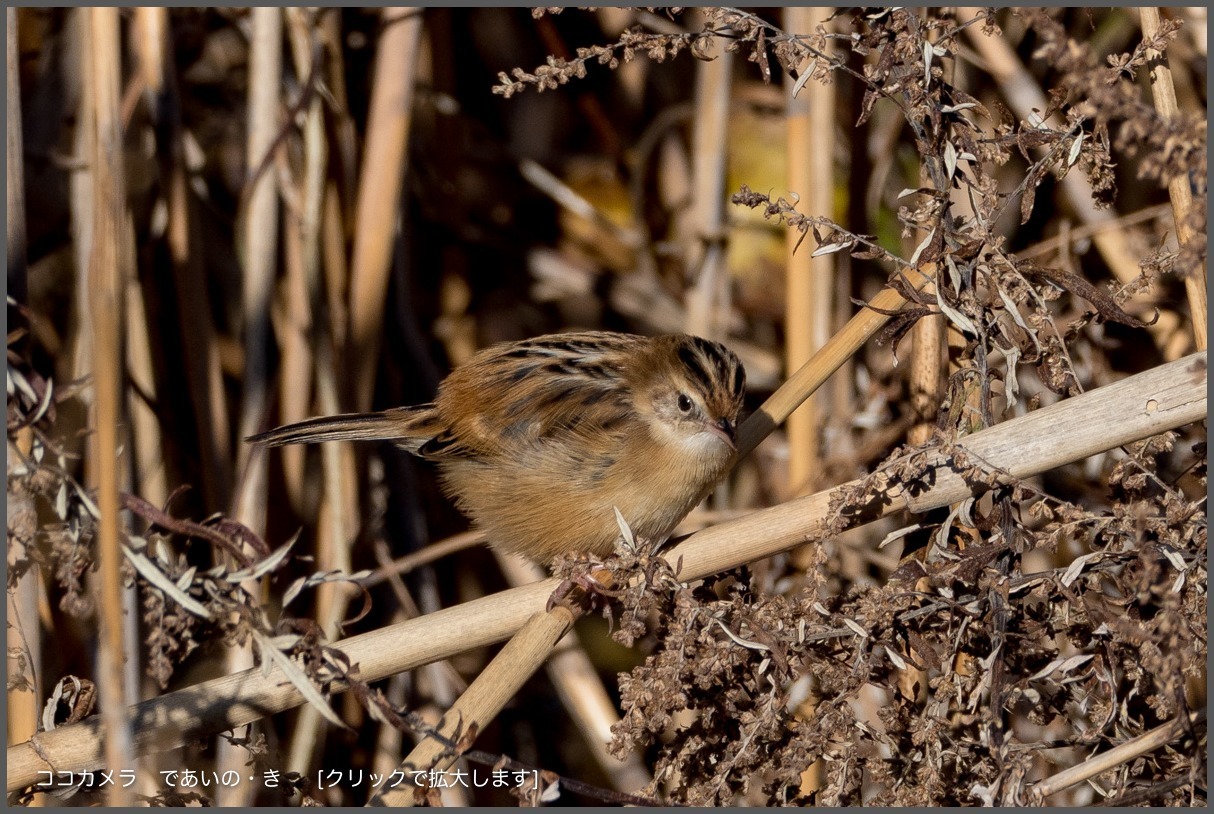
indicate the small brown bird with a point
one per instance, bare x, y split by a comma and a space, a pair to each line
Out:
539, 440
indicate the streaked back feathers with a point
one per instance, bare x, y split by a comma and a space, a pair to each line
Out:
541, 440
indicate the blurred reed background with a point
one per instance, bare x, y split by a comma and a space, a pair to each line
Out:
222, 220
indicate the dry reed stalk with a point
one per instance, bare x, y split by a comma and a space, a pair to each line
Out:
926, 374
1164, 94
1066, 240
1098, 764
258, 235
344, 132
843, 397
484, 698
927, 349
809, 292
581, 691
314, 356
15, 162
151, 44
150, 473
379, 190
926, 385
302, 254
809, 289
80, 185
296, 366
259, 244
296, 363
838, 349
425, 556
438, 684
335, 267
708, 301
340, 476
200, 344
1163, 398
107, 272
1024, 95
148, 477
24, 635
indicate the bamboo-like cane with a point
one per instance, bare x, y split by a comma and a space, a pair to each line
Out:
810, 285
1097, 764
14, 156
484, 698
259, 241
1164, 94
23, 631
582, 692
837, 350
105, 299
707, 306
379, 188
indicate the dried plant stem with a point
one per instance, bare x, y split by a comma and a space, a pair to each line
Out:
81, 197
1164, 94
24, 638
707, 300
151, 476
425, 556
200, 353
302, 254
926, 376
1098, 764
1065, 241
335, 536
809, 288
24, 635
337, 527
379, 191
15, 164
295, 340
838, 349
484, 698
105, 276
259, 241
1163, 398
926, 385
809, 291
927, 335
582, 692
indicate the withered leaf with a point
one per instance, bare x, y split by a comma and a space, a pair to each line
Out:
1105, 305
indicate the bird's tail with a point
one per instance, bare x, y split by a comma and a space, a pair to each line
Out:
410, 427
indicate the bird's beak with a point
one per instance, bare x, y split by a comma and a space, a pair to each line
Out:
726, 430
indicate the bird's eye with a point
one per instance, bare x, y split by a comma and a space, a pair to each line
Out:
684, 403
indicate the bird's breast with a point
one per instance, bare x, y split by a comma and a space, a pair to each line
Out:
545, 507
